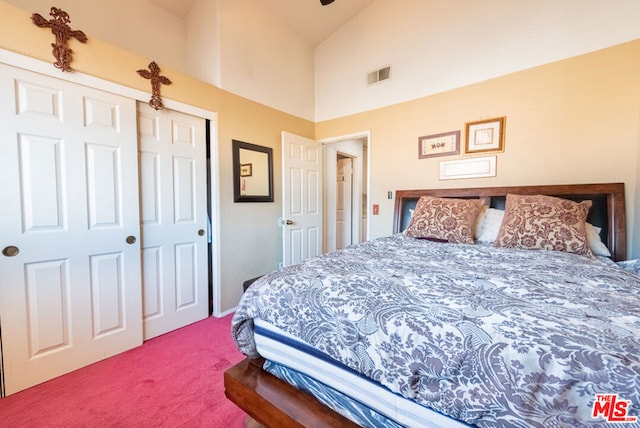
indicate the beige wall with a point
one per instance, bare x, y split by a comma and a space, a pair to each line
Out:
572, 121
250, 236
250, 239
434, 46
263, 60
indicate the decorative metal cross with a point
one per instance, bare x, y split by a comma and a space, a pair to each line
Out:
156, 80
60, 28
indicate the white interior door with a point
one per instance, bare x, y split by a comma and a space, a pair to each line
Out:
70, 289
174, 219
344, 202
302, 198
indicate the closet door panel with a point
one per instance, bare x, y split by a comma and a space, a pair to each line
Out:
48, 310
41, 172
70, 292
174, 219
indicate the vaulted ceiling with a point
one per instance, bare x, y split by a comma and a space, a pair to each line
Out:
306, 18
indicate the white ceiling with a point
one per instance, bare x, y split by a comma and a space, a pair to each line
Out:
307, 18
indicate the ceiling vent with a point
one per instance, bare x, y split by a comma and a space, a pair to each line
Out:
379, 75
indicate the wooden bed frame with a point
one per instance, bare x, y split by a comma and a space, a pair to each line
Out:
607, 211
272, 402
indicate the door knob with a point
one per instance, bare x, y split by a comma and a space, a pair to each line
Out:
288, 223
10, 251
131, 239
201, 232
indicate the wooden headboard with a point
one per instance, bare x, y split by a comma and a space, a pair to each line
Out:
607, 210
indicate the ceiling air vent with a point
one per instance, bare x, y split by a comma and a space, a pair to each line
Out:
379, 75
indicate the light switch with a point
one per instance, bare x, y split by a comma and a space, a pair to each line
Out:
376, 209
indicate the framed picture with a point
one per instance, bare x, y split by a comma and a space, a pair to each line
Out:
245, 170
468, 168
485, 136
445, 144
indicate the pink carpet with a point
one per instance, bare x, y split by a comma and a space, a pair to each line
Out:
175, 380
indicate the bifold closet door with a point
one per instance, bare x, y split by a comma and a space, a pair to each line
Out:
173, 183
70, 283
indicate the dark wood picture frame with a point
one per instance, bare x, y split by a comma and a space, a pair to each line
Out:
443, 144
246, 170
260, 173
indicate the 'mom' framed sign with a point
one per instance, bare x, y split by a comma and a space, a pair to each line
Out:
445, 144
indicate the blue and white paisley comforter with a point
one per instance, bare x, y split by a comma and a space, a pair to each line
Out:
490, 336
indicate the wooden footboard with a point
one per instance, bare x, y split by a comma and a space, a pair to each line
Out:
273, 402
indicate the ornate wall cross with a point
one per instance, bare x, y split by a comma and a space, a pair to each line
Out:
60, 28
156, 80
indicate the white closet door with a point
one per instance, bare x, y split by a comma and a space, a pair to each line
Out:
173, 183
70, 285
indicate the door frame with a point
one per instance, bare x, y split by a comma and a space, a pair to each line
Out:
329, 185
32, 64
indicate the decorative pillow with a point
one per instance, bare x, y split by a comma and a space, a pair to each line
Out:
539, 222
490, 221
595, 243
489, 224
451, 220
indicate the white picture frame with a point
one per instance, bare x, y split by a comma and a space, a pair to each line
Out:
469, 168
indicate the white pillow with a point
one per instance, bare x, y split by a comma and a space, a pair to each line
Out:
488, 225
595, 243
410, 217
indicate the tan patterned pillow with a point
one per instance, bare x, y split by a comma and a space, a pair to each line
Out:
539, 222
447, 219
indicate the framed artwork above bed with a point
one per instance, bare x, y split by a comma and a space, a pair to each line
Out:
444, 144
485, 136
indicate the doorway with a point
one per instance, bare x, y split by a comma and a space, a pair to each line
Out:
346, 184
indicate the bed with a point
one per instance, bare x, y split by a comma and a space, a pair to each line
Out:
408, 330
